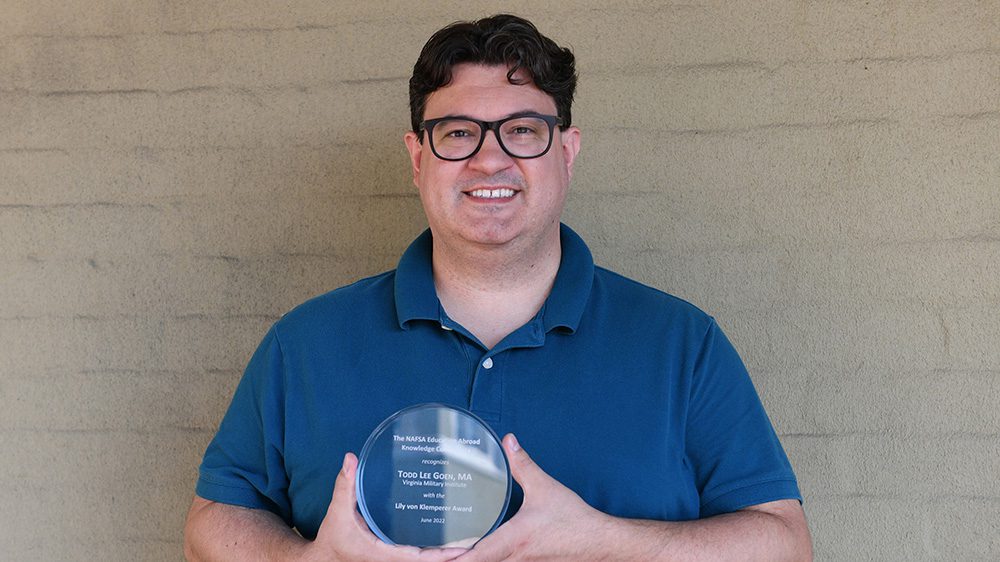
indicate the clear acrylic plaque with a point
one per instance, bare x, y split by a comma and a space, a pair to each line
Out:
433, 475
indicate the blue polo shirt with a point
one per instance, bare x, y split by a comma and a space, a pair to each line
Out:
632, 398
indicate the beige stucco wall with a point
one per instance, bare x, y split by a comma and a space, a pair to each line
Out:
822, 176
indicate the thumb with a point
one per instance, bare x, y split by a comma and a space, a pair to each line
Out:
344, 492
528, 474
341, 512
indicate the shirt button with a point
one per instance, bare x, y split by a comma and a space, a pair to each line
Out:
445, 328
488, 364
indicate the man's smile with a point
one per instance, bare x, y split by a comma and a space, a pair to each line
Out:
495, 193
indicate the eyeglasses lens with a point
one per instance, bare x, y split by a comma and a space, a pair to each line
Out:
523, 137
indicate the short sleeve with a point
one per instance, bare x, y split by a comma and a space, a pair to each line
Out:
732, 447
244, 463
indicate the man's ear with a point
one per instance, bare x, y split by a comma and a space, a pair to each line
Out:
415, 148
570, 139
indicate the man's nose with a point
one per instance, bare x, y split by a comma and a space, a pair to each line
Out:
491, 157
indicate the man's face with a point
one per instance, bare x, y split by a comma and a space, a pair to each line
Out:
492, 198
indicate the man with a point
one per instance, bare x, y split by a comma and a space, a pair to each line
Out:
649, 439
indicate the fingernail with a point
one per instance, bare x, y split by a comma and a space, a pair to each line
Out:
343, 465
514, 445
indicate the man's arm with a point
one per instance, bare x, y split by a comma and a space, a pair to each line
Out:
771, 531
554, 523
216, 531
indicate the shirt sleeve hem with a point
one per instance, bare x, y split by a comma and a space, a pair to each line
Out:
229, 494
746, 496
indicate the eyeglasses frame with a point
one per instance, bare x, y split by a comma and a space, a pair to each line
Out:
428, 125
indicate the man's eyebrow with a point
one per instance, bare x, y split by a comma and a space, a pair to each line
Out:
516, 114
523, 113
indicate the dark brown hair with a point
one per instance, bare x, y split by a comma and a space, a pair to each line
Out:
502, 39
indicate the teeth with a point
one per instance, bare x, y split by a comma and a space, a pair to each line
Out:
492, 193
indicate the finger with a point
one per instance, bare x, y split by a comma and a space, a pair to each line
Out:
402, 553
343, 488
497, 546
522, 468
440, 554
344, 501
396, 553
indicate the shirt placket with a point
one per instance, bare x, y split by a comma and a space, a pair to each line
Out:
486, 399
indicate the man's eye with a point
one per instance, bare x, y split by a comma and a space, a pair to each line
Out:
523, 130
458, 133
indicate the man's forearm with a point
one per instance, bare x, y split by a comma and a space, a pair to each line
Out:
777, 532
217, 532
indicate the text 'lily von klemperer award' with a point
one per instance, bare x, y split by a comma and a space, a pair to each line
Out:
433, 475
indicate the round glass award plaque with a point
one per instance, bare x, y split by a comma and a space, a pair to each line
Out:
433, 475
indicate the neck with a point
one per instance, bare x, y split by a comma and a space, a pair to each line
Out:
492, 291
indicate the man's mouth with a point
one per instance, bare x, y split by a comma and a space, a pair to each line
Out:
499, 193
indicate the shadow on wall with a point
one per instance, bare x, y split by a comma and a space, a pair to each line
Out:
296, 222
314, 220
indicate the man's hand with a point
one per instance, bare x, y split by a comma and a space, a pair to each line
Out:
217, 531
556, 524
344, 535
552, 524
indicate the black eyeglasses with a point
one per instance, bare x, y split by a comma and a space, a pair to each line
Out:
528, 135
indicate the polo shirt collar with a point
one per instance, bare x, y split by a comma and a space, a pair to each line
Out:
565, 305
416, 297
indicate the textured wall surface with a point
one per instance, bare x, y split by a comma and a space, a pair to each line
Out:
822, 176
